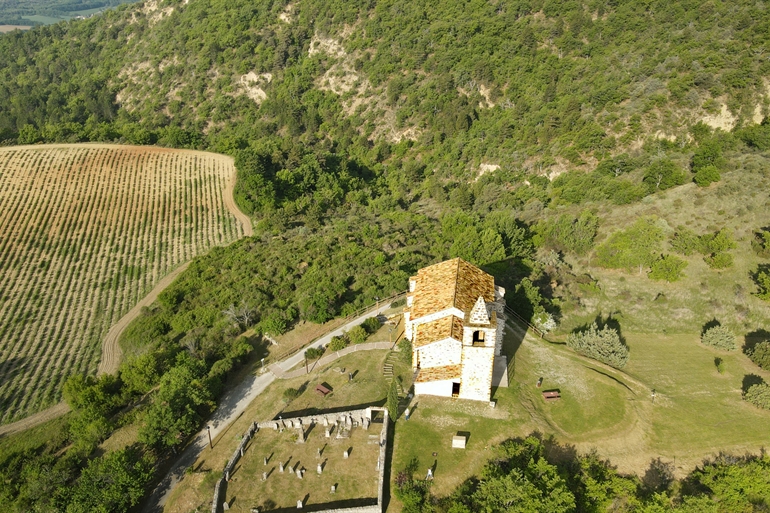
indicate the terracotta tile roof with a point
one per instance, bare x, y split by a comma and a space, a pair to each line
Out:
439, 373
433, 331
450, 283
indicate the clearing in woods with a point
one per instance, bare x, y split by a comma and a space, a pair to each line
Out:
85, 232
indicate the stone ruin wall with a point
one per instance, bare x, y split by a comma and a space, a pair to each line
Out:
353, 418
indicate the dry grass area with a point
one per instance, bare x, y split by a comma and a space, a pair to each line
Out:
356, 477
10, 28
739, 203
85, 232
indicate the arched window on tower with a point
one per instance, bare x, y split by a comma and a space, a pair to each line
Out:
478, 338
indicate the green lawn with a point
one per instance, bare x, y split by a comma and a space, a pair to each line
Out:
696, 414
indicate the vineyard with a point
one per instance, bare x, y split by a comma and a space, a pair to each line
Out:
85, 233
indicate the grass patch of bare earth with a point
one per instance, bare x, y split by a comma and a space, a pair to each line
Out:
85, 231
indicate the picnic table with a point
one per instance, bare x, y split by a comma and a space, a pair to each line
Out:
322, 390
551, 395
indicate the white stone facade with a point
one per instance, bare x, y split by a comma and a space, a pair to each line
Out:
455, 321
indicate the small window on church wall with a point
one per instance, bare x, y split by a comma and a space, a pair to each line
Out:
478, 338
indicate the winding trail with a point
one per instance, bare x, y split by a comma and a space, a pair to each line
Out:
111, 352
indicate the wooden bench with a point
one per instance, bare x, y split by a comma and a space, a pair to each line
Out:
322, 390
551, 395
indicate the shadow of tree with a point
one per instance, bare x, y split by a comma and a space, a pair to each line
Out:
658, 476
713, 323
750, 340
749, 380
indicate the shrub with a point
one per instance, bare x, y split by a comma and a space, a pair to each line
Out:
635, 247
371, 324
357, 335
570, 234
603, 345
686, 242
720, 365
706, 176
758, 395
720, 337
667, 267
544, 321
760, 354
761, 244
719, 260
663, 174
314, 353
338, 344
290, 394
405, 350
397, 303
762, 279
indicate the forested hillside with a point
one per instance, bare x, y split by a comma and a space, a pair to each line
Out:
598, 157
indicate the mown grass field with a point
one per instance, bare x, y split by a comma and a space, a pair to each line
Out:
85, 232
697, 412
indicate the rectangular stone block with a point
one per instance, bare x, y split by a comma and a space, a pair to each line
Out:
458, 442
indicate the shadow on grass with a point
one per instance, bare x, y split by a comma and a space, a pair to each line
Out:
749, 380
755, 337
317, 411
350, 503
616, 380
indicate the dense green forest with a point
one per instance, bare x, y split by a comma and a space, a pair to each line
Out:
539, 475
371, 139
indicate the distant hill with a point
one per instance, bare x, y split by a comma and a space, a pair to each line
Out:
546, 85
46, 12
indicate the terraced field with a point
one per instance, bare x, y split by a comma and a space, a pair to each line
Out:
86, 231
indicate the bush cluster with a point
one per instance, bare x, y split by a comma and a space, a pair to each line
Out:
720, 337
760, 354
603, 345
758, 395
338, 343
713, 246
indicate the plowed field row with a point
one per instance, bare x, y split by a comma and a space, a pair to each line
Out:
85, 232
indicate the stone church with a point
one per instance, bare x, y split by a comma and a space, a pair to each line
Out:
455, 320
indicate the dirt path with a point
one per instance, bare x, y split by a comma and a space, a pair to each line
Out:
233, 208
36, 419
111, 352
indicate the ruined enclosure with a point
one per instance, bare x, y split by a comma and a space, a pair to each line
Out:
325, 462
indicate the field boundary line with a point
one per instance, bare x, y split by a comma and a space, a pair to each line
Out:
111, 351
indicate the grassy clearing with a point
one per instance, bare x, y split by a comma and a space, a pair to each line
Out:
368, 387
356, 477
698, 412
85, 231
645, 306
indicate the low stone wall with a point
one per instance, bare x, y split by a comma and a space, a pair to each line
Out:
352, 418
217, 491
